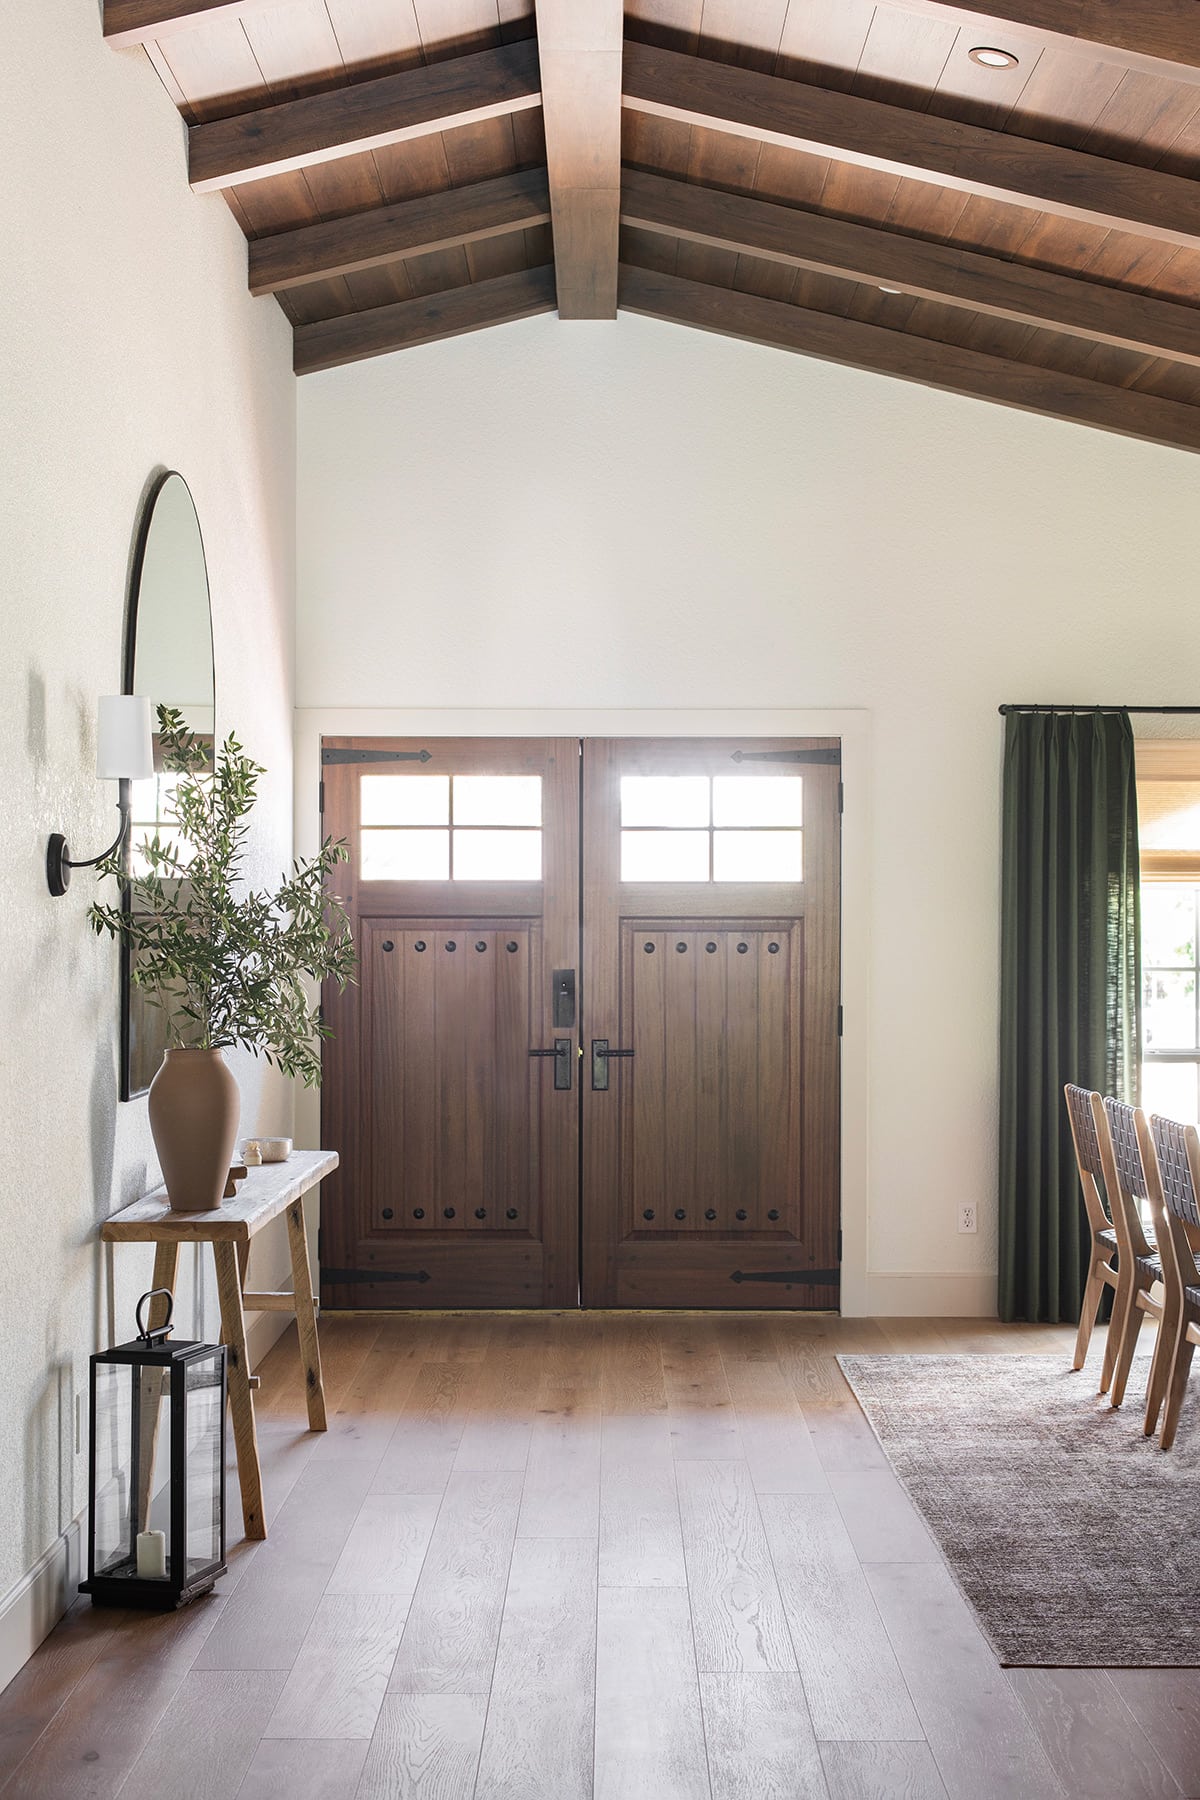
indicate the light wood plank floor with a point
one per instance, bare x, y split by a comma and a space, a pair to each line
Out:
555, 1556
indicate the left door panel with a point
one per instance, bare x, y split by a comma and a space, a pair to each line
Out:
446, 1078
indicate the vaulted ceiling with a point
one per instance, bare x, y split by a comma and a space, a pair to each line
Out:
836, 177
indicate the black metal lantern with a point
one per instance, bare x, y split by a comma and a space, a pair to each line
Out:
156, 1477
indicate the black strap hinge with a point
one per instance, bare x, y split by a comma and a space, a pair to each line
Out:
790, 1277
788, 756
373, 756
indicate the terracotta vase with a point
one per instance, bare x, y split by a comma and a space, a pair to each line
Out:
194, 1111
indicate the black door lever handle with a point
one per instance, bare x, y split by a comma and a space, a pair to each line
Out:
602, 1055
562, 1052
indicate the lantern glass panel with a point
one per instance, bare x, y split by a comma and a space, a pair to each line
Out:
204, 1412
133, 1469
112, 1513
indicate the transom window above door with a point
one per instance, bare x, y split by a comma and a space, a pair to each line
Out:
712, 828
450, 827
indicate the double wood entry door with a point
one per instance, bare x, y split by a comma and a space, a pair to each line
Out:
591, 1057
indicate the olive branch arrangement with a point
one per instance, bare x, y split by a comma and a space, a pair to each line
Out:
224, 962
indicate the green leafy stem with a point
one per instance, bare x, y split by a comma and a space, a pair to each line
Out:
226, 963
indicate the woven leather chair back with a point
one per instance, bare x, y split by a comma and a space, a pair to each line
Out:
1130, 1172
1179, 1193
1087, 1144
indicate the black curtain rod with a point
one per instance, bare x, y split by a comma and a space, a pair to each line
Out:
1039, 707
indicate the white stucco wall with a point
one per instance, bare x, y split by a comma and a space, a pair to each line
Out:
128, 343
635, 516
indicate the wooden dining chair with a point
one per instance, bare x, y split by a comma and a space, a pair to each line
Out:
1175, 1152
1141, 1295
1085, 1110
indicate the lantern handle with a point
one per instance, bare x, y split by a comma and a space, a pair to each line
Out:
155, 1335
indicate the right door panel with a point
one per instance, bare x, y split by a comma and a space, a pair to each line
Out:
710, 1027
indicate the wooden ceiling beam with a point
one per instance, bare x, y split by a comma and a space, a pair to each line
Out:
352, 336
144, 21
579, 48
953, 277
968, 158
1160, 36
389, 110
880, 351
291, 259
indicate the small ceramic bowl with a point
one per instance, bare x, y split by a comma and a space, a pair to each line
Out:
275, 1149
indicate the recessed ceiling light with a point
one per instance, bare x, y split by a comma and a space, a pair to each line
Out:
991, 58
889, 290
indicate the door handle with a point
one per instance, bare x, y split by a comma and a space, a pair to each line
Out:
563, 1054
602, 1055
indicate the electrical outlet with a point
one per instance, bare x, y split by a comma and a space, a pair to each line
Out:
966, 1216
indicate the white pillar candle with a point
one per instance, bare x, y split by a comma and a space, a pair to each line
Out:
152, 1555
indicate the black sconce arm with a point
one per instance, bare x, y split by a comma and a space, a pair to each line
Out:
59, 864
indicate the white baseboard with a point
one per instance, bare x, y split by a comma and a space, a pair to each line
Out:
909, 1296
31, 1609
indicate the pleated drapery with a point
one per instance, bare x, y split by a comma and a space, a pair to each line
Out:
1070, 984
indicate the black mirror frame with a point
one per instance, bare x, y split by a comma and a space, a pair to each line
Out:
157, 483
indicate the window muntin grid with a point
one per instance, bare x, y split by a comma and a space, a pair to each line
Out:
450, 827
712, 828
1171, 999
152, 810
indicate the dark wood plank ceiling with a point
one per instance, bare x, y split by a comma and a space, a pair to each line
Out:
837, 177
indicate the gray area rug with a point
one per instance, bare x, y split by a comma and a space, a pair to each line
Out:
1075, 1538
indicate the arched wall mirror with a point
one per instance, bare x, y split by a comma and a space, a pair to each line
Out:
169, 658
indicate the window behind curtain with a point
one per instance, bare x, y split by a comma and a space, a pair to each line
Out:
1168, 792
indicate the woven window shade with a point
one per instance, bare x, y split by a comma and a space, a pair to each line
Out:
1168, 797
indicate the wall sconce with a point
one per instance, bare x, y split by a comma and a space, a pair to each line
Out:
124, 753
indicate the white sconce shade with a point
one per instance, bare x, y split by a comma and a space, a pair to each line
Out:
124, 751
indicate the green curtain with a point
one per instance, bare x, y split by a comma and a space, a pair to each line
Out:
1070, 984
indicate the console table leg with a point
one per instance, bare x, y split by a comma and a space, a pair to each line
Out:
241, 1401
306, 1317
166, 1265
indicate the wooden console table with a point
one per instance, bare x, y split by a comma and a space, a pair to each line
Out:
265, 1193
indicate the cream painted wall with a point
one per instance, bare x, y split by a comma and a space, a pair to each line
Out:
128, 342
636, 516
